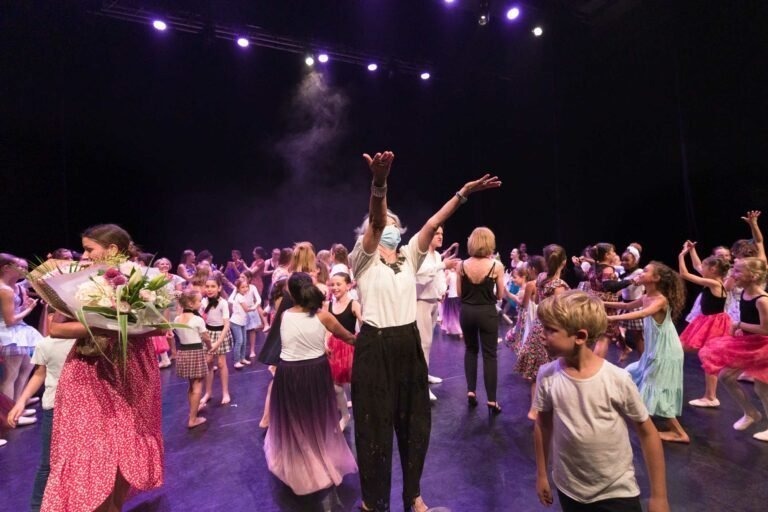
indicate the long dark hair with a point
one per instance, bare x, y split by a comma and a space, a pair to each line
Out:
304, 292
671, 286
112, 234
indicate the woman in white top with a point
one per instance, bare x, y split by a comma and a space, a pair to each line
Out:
305, 447
389, 373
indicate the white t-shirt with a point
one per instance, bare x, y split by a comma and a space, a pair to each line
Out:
591, 454
388, 298
302, 336
191, 335
239, 303
430, 279
51, 353
215, 316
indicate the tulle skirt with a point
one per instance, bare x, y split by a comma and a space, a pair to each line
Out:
340, 360
21, 335
304, 446
449, 313
703, 328
253, 321
748, 353
161, 344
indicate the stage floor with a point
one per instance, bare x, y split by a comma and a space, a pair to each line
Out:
474, 464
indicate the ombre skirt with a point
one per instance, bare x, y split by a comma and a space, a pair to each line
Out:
304, 446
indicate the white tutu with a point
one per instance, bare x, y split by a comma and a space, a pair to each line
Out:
253, 321
21, 335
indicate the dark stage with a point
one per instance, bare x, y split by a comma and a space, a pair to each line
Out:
474, 465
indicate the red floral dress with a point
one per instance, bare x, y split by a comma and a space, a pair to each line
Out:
107, 418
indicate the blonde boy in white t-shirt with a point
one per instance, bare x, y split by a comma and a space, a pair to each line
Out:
583, 401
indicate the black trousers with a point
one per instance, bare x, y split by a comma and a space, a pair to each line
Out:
568, 504
389, 391
480, 327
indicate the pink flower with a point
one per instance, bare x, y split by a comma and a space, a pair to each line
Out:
118, 280
111, 273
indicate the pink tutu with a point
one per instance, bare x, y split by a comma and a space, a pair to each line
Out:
340, 360
747, 352
703, 328
161, 344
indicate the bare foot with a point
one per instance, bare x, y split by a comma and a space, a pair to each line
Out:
533, 414
196, 423
674, 438
225, 400
201, 406
204, 399
419, 505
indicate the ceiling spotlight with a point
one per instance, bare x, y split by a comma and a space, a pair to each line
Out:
513, 13
373, 66
449, 1
425, 76
484, 14
323, 58
537, 31
159, 25
243, 42
309, 61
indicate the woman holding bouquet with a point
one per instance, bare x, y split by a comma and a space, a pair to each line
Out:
107, 433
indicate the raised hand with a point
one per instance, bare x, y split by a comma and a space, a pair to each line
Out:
380, 165
484, 183
751, 217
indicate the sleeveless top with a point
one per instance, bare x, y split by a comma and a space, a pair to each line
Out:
711, 305
346, 318
748, 308
546, 287
302, 336
478, 294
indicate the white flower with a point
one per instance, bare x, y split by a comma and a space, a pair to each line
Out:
147, 295
127, 267
105, 302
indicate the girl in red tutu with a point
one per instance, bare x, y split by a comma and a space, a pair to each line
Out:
713, 322
347, 312
107, 436
746, 349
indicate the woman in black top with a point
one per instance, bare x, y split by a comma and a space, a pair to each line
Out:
478, 275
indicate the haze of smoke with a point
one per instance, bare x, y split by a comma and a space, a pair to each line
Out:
317, 125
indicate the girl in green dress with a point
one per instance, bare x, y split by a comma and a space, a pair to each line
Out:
659, 372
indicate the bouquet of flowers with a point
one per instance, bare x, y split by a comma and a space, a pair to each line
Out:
115, 295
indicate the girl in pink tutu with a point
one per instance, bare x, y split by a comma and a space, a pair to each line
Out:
713, 322
305, 447
746, 349
347, 311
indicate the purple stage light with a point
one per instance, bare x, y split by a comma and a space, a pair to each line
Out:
373, 66
513, 13
243, 42
159, 25
449, 1
425, 76
323, 58
537, 31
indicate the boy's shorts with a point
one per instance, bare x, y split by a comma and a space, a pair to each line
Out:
568, 504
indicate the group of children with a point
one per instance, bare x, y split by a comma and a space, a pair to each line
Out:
561, 338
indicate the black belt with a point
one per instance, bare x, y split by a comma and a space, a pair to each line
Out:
192, 346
